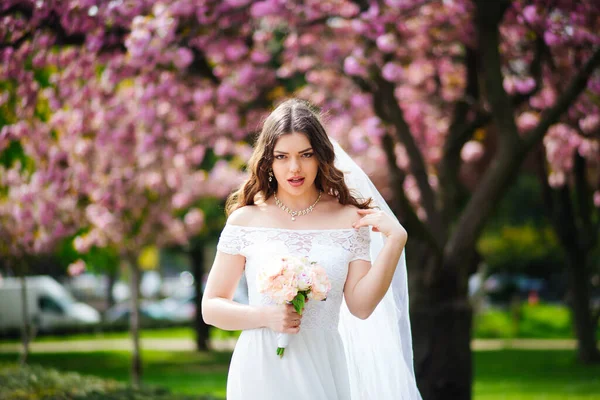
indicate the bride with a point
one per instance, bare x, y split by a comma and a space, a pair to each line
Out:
306, 197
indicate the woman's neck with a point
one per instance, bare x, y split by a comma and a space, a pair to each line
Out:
298, 202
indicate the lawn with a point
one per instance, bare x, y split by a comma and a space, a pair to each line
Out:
534, 375
181, 372
159, 333
499, 375
539, 321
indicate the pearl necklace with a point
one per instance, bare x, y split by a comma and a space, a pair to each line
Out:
295, 214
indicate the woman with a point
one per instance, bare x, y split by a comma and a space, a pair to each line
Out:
297, 201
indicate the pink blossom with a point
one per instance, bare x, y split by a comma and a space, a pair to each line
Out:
76, 268
194, 220
265, 8
557, 179
472, 151
197, 154
181, 200
235, 51
551, 38
545, 98
227, 123
82, 244
590, 123
531, 14
509, 84
374, 127
353, 66
392, 72
597, 198
387, 43
259, 56
525, 85
527, 121
183, 58
202, 96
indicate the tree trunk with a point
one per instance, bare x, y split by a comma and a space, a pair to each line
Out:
202, 329
134, 321
441, 341
25, 329
441, 320
112, 279
563, 217
579, 302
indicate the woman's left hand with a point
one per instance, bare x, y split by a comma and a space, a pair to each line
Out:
381, 222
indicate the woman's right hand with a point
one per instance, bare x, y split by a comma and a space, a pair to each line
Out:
282, 318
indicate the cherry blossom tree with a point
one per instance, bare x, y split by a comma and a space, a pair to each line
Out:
451, 95
431, 87
37, 208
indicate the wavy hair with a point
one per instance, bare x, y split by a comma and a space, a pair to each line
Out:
291, 116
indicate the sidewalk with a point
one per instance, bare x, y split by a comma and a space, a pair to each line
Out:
83, 346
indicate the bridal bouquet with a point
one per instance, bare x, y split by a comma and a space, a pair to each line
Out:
292, 280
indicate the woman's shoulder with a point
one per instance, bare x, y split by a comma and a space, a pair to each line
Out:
346, 214
244, 216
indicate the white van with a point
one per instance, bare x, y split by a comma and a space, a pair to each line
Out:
49, 304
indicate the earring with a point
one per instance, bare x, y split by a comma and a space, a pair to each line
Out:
270, 175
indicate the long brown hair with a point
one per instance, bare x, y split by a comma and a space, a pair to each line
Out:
291, 116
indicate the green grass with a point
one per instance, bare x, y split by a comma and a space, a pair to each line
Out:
181, 372
534, 375
499, 375
539, 321
34, 382
162, 333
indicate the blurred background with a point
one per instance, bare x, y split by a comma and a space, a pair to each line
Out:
124, 125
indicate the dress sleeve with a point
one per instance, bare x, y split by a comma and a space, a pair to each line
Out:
360, 245
230, 241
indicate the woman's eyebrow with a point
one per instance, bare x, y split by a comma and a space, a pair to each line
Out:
300, 152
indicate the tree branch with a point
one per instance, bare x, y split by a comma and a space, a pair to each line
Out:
542, 173
505, 165
488, 17
450, 186
582, 198
574, 89
27, 11
200, 66
536, 72
405, 210
388, 109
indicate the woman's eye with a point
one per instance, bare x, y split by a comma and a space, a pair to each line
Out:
279, 157
307, 155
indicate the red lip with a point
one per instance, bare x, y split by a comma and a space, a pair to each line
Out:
295, 178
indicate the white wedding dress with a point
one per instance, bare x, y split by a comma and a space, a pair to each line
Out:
314, 365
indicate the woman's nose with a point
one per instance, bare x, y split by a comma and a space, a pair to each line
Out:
294, 165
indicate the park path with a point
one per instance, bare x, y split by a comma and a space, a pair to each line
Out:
184, 344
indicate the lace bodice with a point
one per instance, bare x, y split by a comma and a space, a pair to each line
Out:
333, 249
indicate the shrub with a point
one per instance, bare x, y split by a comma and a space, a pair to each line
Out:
38, 383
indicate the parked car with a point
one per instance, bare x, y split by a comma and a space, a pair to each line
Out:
179, 309
119, 313
502, 287
49, 304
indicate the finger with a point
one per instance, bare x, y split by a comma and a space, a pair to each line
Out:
366, 211
364, 221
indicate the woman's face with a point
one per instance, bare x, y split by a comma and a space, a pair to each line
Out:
295, 165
